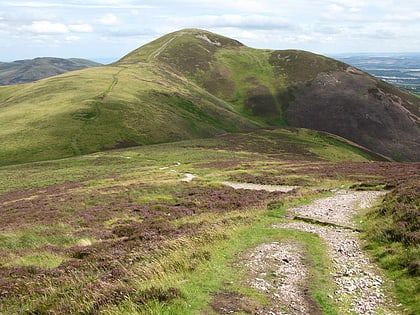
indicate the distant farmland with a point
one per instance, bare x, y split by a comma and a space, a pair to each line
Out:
401, 70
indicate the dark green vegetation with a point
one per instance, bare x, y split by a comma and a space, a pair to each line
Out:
117, 232
193, 84
25, 71
393, 232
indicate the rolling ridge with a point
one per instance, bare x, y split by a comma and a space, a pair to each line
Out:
194, 84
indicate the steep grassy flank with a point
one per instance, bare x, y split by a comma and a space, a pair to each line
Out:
294, 88
104, 108
24, 71
224, 67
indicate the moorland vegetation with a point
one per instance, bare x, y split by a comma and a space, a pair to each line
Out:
113, 196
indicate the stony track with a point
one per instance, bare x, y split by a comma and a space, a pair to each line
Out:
279, 269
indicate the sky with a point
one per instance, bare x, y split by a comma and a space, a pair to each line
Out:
106, 30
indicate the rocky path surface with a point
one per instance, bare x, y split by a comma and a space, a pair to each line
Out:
279, 269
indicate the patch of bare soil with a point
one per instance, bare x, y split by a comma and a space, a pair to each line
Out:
232, 302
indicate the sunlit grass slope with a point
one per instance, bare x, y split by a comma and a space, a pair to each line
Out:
104, 108
188, 84
254, 81
195, 84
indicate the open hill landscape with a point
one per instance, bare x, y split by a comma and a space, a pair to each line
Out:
193, 84
200, 176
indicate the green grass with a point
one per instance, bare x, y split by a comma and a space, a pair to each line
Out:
283, 142
36, 237
214, 266
81, 116
27, 247
43, 260
59, 215
392, 235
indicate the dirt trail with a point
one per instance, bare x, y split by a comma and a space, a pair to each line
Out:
97, 112
279, 269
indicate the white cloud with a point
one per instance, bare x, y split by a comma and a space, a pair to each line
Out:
30, 4
80, 28
315, 25
335, 8
45, 27
78, 4
72, 38
403, 16
109, 19
350, 3
48, 27
248, 22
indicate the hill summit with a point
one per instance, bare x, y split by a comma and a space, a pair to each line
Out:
193, 84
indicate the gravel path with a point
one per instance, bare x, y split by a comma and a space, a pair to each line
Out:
278, 269
338, 209
359, 284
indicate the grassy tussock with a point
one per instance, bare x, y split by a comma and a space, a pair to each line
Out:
392, 230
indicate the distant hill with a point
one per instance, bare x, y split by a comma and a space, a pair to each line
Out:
402, 70
194, 84
24, 71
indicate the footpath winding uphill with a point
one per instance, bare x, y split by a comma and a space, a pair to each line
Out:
279, 269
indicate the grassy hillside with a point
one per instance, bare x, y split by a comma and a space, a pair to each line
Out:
194, 84
254, 81
104, 108
294, 88
24, 71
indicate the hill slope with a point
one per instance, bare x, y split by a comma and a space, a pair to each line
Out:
296, 88
194, 84
104, 108
24, 71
